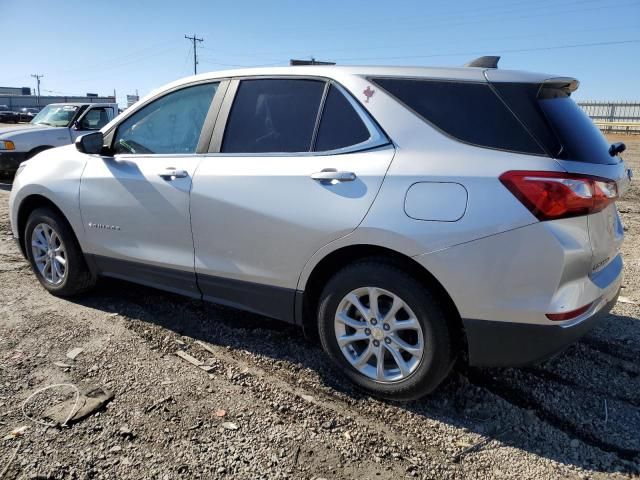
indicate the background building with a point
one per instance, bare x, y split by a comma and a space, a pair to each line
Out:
15, 91
19, 97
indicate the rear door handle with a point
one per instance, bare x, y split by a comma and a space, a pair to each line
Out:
171, 174
332, 175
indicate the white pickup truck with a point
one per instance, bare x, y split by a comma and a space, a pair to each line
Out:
57, 124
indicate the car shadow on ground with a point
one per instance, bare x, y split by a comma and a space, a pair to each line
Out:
554, 410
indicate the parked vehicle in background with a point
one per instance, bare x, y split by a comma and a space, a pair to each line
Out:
27, 114
55, 125
401, 216
8, 116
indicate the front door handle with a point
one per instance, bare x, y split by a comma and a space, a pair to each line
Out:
331, 175
171, 174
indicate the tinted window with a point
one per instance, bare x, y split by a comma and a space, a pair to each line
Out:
470, 112
273, 116
340, 125
522, 99
580, 138
171, 124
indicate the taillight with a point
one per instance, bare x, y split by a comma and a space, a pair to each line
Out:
556, 317
553, 195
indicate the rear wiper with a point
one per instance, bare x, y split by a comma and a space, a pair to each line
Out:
617, 148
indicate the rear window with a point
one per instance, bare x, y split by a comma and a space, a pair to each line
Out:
470, 112
580, 138
556, 121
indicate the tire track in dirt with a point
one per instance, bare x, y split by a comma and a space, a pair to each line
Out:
506, 388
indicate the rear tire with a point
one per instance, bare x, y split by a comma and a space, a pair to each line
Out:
416, 355
55, 255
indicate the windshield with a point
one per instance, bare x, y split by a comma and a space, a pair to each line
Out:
56, 115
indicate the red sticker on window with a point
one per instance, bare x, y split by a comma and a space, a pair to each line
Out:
368, 93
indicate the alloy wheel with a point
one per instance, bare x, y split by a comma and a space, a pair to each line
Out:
379, 334
49, 254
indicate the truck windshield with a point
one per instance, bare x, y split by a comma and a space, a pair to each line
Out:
55, 115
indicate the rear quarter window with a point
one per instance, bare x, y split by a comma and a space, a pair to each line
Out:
340, 126
469, 112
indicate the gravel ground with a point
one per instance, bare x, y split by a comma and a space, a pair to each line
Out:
270, 406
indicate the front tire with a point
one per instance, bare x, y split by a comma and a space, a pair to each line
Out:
385, 330
54, 254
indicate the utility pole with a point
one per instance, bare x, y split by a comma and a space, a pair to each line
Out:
194, 39
38, 77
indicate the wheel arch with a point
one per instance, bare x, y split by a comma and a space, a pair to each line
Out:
307, 303
34, 151
28, 205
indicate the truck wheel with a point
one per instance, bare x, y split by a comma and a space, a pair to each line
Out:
54, 254
385, 330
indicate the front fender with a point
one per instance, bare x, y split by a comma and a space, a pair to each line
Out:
55, 175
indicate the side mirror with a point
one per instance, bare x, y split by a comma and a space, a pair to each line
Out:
91, 143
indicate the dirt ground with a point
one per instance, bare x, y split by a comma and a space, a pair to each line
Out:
270, 405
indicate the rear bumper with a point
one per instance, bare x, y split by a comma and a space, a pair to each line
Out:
9, 161
501, 344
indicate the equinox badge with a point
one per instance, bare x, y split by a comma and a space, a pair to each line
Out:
103, 226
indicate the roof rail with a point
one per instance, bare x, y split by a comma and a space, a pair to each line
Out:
487, 61
313, 61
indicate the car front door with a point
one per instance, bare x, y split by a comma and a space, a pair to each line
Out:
94, 118
295, 164
135, 204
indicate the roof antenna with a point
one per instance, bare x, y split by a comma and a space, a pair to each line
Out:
488, 61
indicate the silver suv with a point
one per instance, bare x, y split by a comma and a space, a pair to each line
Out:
403, 217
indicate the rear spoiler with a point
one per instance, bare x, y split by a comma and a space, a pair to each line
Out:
487, 61
567, 84
549, 88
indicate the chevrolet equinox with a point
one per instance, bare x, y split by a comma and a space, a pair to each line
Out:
403, 217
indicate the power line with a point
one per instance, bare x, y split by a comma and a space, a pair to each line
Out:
186, 61
482, 15
194, 39
482, 52
214, 61
513, 17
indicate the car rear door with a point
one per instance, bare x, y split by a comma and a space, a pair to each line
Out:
135, 204
295, 163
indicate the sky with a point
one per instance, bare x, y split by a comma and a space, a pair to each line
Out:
99, 46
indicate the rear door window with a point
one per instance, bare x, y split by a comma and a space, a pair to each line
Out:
469, 112
340, 126
273, 116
